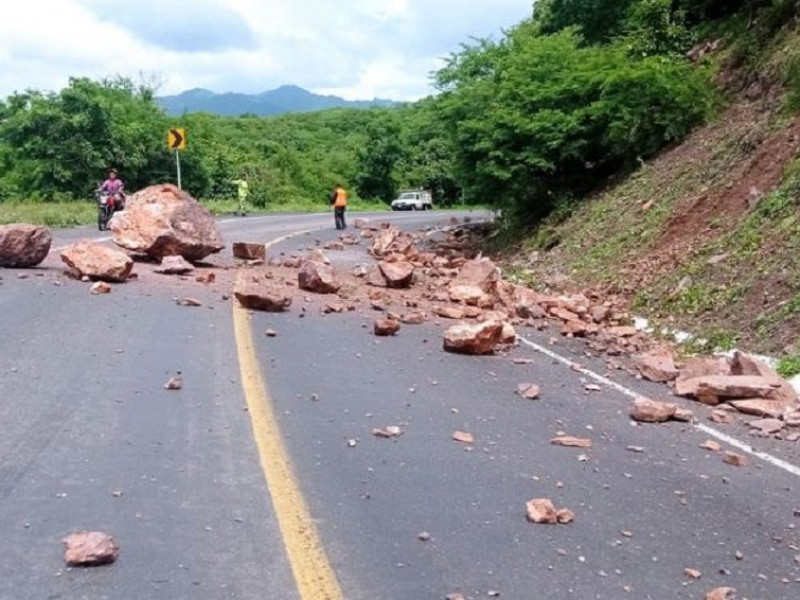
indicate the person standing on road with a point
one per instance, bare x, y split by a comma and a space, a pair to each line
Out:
339, 202
242, 191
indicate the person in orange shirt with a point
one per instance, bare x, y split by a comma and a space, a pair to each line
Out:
338, 200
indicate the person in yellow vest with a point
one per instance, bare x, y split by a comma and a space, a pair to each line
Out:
242, 192
339, 202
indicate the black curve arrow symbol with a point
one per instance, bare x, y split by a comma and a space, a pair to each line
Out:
177, 139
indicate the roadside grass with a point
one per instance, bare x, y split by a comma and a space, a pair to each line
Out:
52, 214
61, 215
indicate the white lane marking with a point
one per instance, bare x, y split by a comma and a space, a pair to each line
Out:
60, 248
723, 437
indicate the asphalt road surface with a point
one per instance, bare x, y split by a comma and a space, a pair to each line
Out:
261, 477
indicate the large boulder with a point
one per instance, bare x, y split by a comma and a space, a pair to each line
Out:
318, 278
23, 245
474, 339
87, 259
743, 364
162, 220
249, 251
711, 388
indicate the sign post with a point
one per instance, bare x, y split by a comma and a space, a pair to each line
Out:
176, 140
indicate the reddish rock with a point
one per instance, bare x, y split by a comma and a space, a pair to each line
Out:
622, 331
743, 364
386, 327
398, 274
727, 386
711, 446
509, 334
463, 437
90, 549
701, 367
318, 256
526, 303
565, 516
721, 593
600, 314
174, 265
249, 251
87, 259
734, 459
375, 278
414, 318
174, 383
565, 315
658, 366
683, 415
206, 278
361, 223
767, 426
100, 287
367, 234
571, 442
574, 328
529, 391
469, 294
473, 312
293, 262
480, 272
318, 278
721, 416
541, 511
162, 220
473, 339
334, 245
645, 410
449, 312
23, 245
260, 296
383, 240
759, 407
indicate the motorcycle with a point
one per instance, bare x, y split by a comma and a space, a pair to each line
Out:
107, 204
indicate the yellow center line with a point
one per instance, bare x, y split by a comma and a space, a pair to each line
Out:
315, 578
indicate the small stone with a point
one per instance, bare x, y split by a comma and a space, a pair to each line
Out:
174, 383
737, 460
571, 442
188, 302
386, 327
541, 511
635, 449
271, 333
721, 593
529, 391
652, 411
463, 437
739, 555
711, 446
692, 573
565, 516
100, 287
90, 549
424, 536
392, 431
352, 443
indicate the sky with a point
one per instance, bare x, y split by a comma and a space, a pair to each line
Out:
358, 49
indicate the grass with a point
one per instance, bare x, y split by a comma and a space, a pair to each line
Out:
789, 366
52, 214
60, 215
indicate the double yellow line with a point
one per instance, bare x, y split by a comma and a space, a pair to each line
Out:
315, 578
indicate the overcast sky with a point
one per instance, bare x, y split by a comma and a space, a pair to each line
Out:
359, 49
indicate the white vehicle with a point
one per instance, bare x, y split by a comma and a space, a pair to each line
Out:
413, 200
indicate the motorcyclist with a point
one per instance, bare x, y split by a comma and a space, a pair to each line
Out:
114, 186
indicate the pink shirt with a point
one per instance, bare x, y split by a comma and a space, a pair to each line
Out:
112, 186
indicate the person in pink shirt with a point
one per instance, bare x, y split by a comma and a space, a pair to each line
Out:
114, 187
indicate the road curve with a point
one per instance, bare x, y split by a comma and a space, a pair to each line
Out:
91, 440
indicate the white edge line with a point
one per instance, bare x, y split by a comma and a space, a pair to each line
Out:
723, 437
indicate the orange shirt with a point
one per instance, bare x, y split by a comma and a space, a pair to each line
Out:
341, 198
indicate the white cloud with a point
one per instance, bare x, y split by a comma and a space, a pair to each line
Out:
355, 48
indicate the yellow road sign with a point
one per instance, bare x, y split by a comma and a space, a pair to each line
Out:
176, 138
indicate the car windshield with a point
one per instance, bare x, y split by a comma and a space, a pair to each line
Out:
407, 196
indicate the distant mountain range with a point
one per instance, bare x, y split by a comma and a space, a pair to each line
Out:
285, 99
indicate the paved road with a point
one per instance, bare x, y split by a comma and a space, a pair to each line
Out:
84, 416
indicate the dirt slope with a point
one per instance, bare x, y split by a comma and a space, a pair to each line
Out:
705, 237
